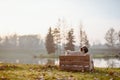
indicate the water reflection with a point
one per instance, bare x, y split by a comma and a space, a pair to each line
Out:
98, 62
110, 62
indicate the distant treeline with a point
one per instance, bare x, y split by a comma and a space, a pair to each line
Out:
34, 42
21, 42
58, 39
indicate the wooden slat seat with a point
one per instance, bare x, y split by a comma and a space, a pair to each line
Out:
74, 62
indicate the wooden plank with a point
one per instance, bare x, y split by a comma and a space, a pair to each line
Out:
74, 62
75, 58
74, 68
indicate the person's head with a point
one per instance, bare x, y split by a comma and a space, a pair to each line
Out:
84, 49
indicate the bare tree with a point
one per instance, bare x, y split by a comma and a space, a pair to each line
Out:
119, 39
63, 33
57, 38
111, 37
119, 36
83, 37
0, 38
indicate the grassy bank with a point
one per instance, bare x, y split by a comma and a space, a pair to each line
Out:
47, 72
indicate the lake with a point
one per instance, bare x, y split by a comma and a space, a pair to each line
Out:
98, 62
27, 58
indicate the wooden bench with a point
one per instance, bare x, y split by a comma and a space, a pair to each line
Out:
74, 62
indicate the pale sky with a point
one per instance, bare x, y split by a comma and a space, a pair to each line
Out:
36, 16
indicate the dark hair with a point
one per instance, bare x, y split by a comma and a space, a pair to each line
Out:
85, 49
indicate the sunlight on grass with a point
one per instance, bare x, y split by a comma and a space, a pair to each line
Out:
50, 72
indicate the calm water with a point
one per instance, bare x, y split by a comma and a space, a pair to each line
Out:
29, 59
112, 62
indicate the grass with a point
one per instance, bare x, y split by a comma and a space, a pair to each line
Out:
106, 55
52, 72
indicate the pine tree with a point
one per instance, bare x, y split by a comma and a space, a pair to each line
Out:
50, 45
70, 41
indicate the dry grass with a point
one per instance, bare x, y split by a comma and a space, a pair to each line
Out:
50, 72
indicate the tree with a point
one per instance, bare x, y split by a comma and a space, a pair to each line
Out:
119, 39
29, 41
57, 39
83, 38
13, 40
70, 41
57, 36
111, 37
6, 42
119, 36
50, 45
0, 40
